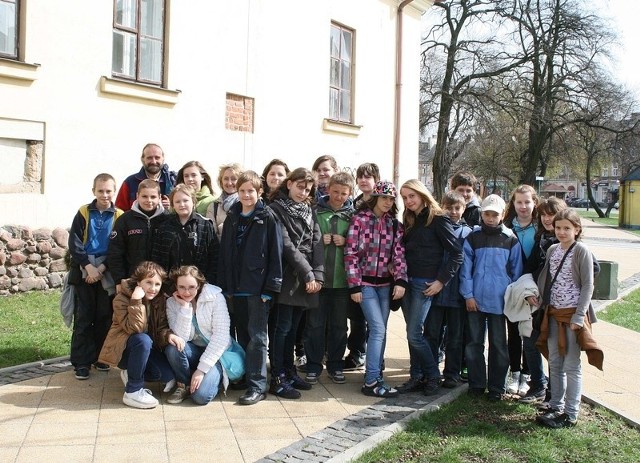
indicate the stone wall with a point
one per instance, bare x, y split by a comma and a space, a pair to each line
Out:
31, 259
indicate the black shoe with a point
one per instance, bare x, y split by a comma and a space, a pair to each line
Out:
352, 363
475, 392
82, 373
252, 396
297, 382
559, 421
281, 387
451, 383
101, 366
431, 386
494, 396
413, 385
533, 396
238, 385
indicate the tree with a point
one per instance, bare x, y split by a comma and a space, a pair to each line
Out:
460, 50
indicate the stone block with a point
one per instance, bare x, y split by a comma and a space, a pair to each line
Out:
29, 284
55, 280
5, 282
34, 258
43, 247
3, 258
42, 234
57, 253
15, 244
41, 272
61, 237
58, 266
17, 258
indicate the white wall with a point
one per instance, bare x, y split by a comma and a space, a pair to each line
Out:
249, 47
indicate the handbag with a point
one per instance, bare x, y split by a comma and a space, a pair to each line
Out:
539, 314
232, 359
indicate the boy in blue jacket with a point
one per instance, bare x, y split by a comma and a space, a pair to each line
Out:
492, 261
250, 271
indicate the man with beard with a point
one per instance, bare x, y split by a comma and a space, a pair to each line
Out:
154, 168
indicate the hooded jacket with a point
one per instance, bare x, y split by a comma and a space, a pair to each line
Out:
492, 261
129, 189
253, 265
131, 239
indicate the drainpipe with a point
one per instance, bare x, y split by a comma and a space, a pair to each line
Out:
398, 96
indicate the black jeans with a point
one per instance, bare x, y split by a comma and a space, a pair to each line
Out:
251, 315
91, 323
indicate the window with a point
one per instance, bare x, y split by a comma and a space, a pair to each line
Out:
9, 10
614, 171
605, 172
341, 74
138, 40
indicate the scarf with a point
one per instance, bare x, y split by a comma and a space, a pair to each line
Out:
227, 200
296, 210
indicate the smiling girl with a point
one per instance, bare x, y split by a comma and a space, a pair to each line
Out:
186, 237
197, 313
139, 332
273, 175
195, 175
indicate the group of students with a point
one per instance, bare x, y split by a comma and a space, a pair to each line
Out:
289, 249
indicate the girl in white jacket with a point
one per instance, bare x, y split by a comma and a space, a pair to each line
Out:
197, 313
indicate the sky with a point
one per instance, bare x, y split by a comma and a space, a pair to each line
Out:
626, 17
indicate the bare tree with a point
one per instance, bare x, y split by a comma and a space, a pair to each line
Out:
461, 49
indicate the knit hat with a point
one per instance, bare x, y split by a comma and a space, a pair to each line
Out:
385, 188
493, 203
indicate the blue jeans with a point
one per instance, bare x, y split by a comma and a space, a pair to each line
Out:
186, 362
415, 308
144, 362
327, 321
357, 340
534, 361
251, 315
454, 319
477, 324
375, 306
287, 319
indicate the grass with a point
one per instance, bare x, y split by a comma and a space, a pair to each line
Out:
611, 221
32, 328
474, 430
625, 312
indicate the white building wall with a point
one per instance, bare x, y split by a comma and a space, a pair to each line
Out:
275, 51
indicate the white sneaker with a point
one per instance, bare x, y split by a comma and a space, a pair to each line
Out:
513, 382
178, 395
523, 387
141, 398
124, 376
300, 361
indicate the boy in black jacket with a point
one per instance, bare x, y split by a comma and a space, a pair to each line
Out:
250, 272
131, 238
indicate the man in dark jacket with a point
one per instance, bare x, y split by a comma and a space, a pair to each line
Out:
154, 168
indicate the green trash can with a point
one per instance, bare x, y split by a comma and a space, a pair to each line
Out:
606, 283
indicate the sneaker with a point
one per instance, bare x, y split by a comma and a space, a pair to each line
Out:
431, 386
523, 387
494, 396
533, 396
413, 385
475, 392
82, 373
101, 366
451, 383
379, 389
337, 377
464, 375
312, 378
300, 361
252, 396
168, 386
560, 420
141, 398
297, 382
178, 396
124, 376
281, 387
548, 414
513, 382
353, 363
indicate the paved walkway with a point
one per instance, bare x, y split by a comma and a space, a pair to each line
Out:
45, 413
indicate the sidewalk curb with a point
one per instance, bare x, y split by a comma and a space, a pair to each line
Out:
620, 414
400, 425
39, 364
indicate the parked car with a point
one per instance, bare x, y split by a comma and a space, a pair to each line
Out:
580, 203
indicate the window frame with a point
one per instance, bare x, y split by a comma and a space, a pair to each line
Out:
335, 115
139, 37
18, 29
